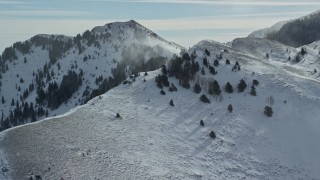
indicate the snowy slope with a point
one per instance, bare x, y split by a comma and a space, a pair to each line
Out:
153, 140
282, 56
297, 32
262, 33
113, 43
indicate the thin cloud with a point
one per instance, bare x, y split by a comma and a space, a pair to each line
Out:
51, 13
220, 2
11, 2
217, 23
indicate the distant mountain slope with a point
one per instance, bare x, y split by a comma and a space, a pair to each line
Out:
48, 75
155, 140
262, 33
295, 33
303, 60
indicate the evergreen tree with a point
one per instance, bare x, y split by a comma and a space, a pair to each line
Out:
227, 61
204, 98
255, 82
207, 52
303, 51
171, 103
268, 111
197, 88
162, 92
2, 100
201, 123
172, 88
203, 72
230, 108
253, 91
216, 63
212, 135
214, 88
205, 62
228, 88
32, 113
242, 85
164, 69
212, 70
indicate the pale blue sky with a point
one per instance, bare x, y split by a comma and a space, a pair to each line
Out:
183, 21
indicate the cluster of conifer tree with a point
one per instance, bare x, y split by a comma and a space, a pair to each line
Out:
298, 32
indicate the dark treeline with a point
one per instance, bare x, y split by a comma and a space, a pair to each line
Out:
124, 68
298, 32
50, 95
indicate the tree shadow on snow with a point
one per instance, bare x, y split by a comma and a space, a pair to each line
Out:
203, 146
194, 131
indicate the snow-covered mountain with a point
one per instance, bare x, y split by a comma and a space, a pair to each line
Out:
304, 60
295, 33
248, 109
155, 140
48, 75
262, 33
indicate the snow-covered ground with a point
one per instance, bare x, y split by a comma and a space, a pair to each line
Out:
153, 140
262, 33
125, 41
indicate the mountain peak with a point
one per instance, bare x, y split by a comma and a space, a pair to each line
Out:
119, 25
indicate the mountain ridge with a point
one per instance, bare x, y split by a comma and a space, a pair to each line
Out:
96, 61
153, 139
296, 32
174, 122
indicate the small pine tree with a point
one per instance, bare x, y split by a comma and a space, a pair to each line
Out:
201, 123
255, 82
204, 98
118, 115
228, 88
303, 51
162, 92
205, 61
230, 108
212, 135
146, 73
253, 91
212, 70
207, 52
203, 72
173, 88
214, 88
197, 88
227, 61
164, 69
2, 100
242, 85
171, 103
216, 63
268, 111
